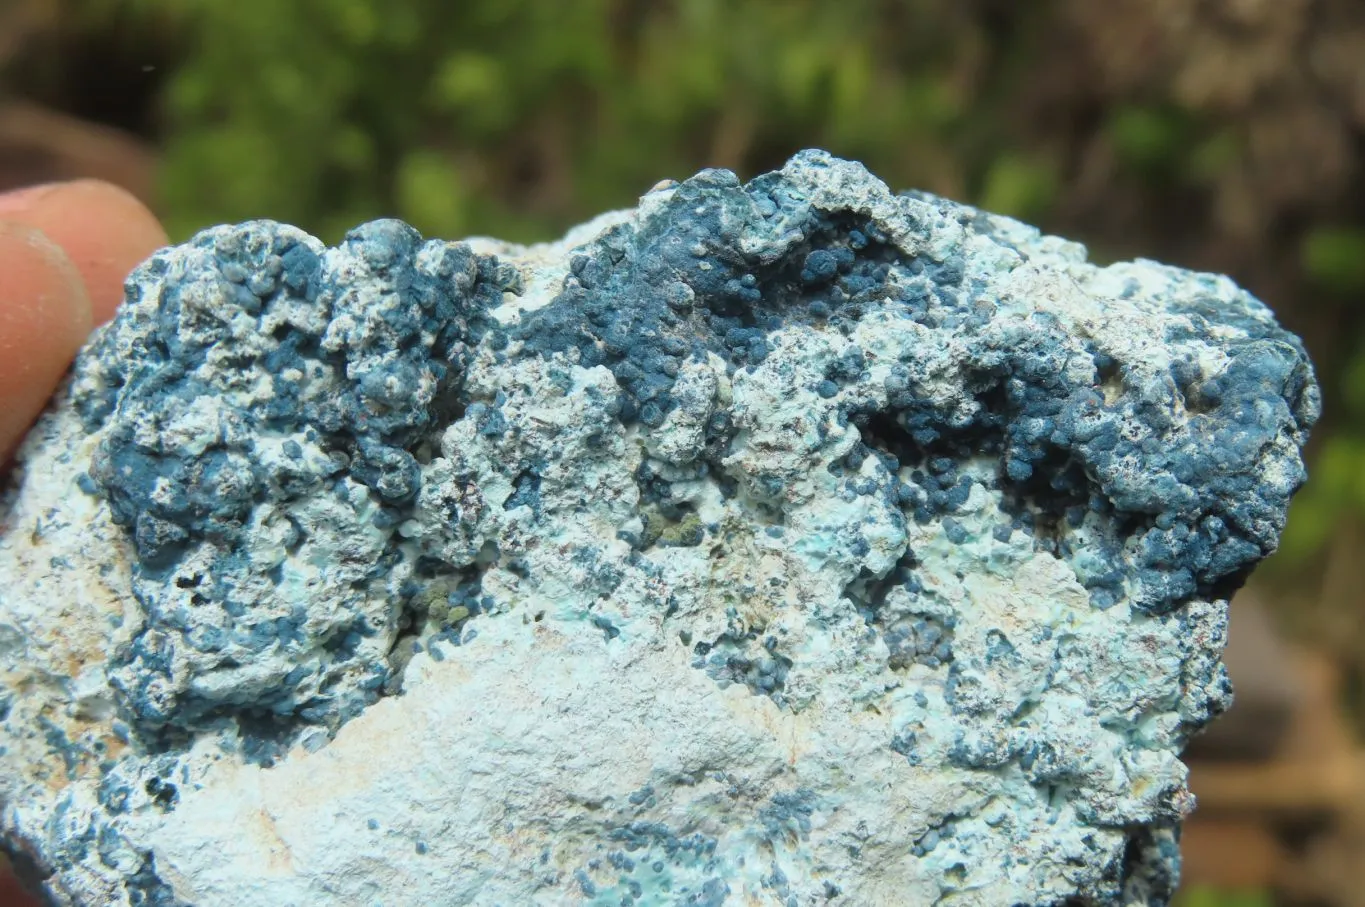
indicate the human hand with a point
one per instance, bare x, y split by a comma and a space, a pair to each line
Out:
65, 249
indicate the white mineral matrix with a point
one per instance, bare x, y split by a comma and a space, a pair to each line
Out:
788, 543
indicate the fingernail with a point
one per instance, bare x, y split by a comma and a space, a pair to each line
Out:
20, 199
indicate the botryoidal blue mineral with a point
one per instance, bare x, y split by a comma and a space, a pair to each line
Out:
785, 543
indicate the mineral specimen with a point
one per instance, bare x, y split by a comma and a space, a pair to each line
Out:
785, 543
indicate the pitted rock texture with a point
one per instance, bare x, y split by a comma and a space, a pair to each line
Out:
785, 543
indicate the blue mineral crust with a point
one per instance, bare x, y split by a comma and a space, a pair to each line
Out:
388, 367
723, 266
360, 377
366, 378
815, 439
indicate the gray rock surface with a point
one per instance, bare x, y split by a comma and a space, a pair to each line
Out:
785, 543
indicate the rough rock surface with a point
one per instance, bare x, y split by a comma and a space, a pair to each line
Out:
785, 543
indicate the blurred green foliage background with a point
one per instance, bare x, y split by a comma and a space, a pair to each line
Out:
519, 117
1203, 896
1223, 135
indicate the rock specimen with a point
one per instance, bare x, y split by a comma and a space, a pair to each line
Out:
785, 543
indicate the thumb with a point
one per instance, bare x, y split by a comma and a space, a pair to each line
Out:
45, 316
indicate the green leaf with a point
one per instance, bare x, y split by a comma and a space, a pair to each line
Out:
430, 195
1338, 464
1353, 387
474, 87
1310, 525
1147, 139
1334, 257
1336, 484
356, 20
1018, 187
1212, 157
353, 149
1209, 896
467, 79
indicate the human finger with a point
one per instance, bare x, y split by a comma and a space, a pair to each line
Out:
45, 316
103, 229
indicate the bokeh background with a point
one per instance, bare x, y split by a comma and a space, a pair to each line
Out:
1222, 135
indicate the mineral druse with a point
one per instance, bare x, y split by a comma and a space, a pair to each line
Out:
786, 543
